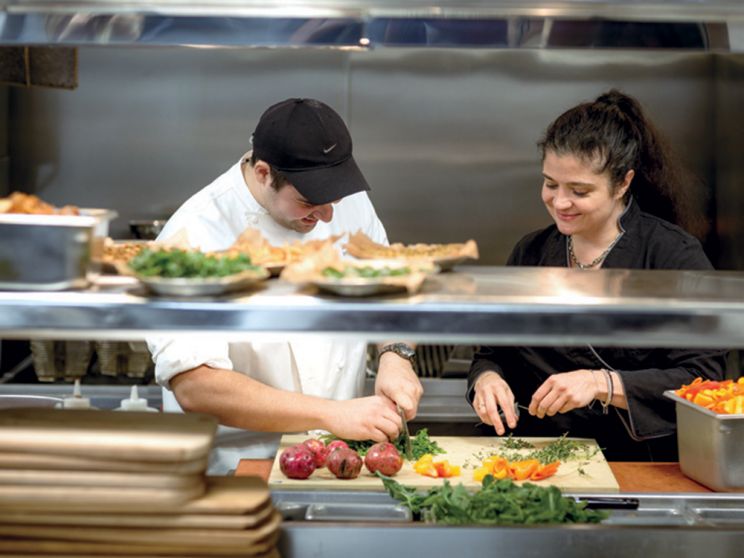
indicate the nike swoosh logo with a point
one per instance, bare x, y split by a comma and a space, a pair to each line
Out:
327, 150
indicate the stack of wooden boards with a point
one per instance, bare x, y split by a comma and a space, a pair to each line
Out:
102, 483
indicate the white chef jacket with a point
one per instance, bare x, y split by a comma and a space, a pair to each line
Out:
212, 219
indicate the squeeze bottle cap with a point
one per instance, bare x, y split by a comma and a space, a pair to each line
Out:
135, 403
76, 400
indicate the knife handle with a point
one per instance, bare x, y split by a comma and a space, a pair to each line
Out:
610, 503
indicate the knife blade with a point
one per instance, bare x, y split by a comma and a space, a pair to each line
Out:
406, 435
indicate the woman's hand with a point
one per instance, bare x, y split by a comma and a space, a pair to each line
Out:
564, 392
365, 418
491, 393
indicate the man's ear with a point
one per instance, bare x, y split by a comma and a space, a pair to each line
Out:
262, 172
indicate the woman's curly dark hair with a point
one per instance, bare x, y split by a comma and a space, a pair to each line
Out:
614, 134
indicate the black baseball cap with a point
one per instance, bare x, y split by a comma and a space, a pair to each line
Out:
309, 143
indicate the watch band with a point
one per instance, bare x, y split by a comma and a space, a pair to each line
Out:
402, 350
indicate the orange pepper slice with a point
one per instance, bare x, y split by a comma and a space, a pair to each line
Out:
545, 471
522, 470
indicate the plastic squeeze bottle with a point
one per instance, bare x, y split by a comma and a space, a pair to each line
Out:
76, 400
135, 403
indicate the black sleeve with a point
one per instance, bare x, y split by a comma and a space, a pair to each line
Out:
488, 357
650, 414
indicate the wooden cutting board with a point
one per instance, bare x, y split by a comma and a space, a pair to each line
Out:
103, 479
57, 548
17, 460
464, 451
132, 436
215, 538
85, 497
151, 521
224, 495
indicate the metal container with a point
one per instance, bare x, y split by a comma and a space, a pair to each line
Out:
711, 445
51, 252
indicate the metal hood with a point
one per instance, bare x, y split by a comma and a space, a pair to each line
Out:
669, 24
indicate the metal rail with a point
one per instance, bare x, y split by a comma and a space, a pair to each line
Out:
540, 306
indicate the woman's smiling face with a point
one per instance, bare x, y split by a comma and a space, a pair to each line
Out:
580, 200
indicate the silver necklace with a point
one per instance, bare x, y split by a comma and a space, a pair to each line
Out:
596, 261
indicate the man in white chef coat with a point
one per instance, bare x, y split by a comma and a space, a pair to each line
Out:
300, 182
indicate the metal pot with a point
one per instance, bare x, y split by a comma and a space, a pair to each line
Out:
146, 229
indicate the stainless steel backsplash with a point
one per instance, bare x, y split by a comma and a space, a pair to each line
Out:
446, 137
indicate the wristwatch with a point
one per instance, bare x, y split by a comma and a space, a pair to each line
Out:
402, 350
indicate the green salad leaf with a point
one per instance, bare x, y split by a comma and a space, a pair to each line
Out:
365, 272
176, 263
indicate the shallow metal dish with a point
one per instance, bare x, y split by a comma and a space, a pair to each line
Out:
357, 287
203, 286
369, 286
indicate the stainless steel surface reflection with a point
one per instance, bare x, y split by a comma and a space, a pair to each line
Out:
541, 306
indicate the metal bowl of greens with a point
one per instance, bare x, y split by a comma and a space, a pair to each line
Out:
373, 277
175, 272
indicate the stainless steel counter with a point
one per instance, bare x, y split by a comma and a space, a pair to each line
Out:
672, 525
542, 306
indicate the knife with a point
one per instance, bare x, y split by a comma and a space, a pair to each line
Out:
517, 407
406, 435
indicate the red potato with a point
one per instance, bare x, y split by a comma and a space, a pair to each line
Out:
383, 457
319, 450
297, 462
345, 463
336, 444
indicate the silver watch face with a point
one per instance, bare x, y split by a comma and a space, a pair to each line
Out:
400, 349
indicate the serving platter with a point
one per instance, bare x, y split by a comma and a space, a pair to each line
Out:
203, 286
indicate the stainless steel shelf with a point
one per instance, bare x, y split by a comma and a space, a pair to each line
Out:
542, 306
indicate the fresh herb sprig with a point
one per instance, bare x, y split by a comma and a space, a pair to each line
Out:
498, 502
421, 444
561, 449
176, 263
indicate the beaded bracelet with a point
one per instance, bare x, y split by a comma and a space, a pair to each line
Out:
610, 390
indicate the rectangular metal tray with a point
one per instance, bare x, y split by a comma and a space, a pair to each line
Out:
711, 445
51, 252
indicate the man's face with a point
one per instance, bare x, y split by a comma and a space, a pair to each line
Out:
291, 210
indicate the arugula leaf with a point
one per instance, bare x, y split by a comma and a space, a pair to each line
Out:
498, 502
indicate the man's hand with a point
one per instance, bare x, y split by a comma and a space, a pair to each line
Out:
365, 418
564, 392
491, 393
397, 381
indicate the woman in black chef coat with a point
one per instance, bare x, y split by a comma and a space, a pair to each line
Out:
607, 183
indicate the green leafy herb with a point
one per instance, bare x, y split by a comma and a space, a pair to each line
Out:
497, 502
175, 263
561, 449
421, 444
516, 443
365, 271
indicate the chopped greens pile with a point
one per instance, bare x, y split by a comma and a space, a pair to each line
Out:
174, 263
497, 502
421, 444
365, 272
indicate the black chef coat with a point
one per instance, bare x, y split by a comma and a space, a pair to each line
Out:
647, 430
